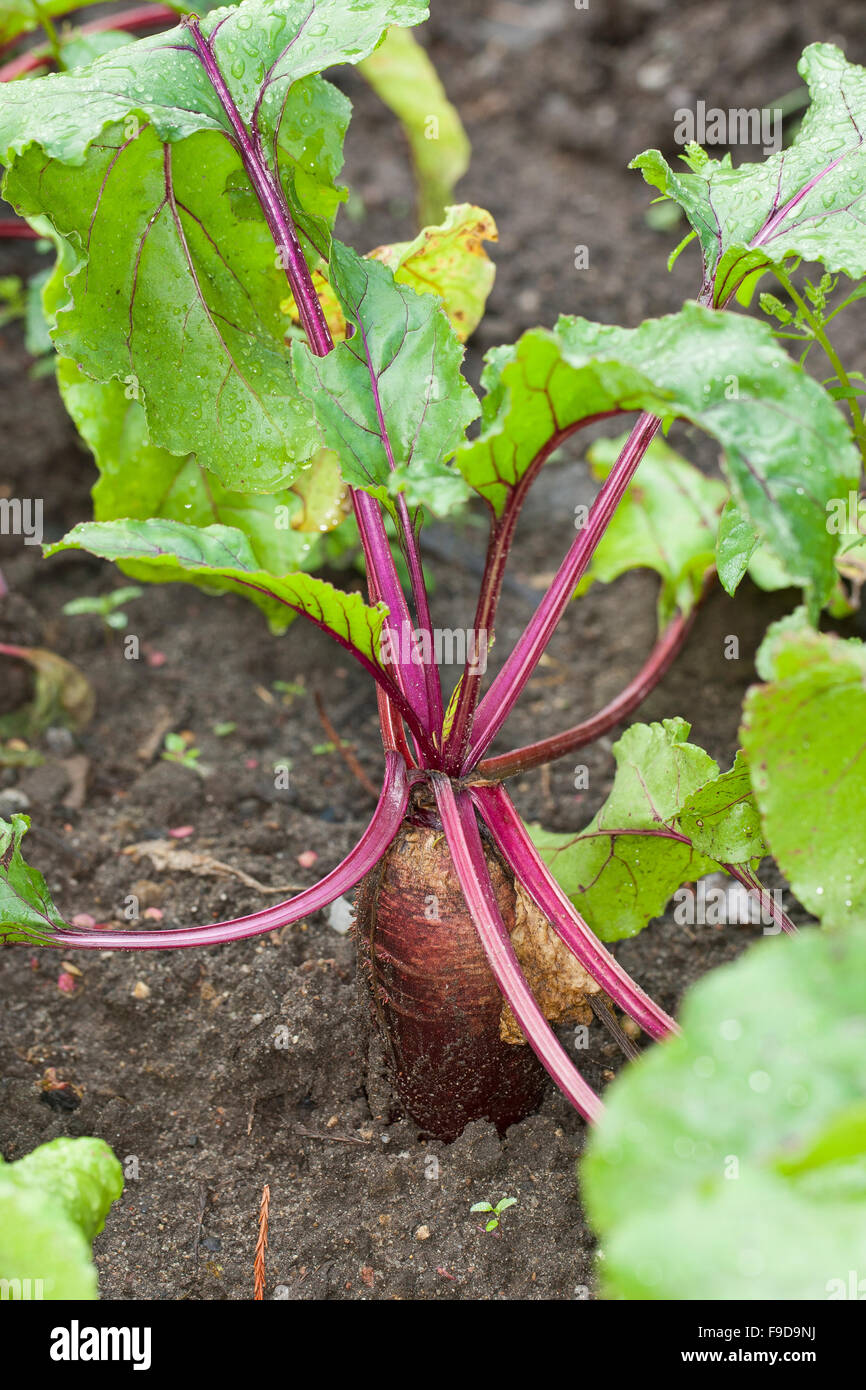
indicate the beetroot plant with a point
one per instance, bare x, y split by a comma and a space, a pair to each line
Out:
210, 326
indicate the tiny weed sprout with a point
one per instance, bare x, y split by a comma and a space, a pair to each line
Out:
217, 342
179, 748
495, 1212
109, 607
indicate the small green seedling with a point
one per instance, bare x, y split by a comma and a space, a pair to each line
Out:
16, 753
108, 607
13, 300
179, 748
289, 690
495, 1212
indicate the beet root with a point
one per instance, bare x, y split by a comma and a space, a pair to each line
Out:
432, 993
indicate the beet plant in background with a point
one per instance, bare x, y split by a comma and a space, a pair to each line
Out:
53, 1203
188, 181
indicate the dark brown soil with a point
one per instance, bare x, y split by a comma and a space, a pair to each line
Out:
186, 1083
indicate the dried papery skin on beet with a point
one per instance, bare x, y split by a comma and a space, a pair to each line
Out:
432, 994
556, 977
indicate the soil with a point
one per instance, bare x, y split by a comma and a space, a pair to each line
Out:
171, 1057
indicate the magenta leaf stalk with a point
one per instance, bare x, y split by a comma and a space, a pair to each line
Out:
429, 673
743, 874
520, 854
464, 842
386, 821
501, 536
17, 231
508, 686
410, 676
412, 552
140, 17
393, 733
547, 750
270, 197
384, 585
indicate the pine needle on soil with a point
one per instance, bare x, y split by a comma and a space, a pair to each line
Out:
261, 1245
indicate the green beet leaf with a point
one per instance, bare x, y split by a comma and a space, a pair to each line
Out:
26, 910
741, 551
731, 1161
806, 201
53, 1202
787, 450
138, 480
223, 560
178, 288
804, 734
670, 818
721, 818
390, 400
736, 543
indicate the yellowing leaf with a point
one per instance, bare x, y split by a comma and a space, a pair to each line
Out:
449, 261
324, 496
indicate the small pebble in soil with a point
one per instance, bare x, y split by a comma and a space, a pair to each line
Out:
13, 800
140, 990
422, 1233
59, 741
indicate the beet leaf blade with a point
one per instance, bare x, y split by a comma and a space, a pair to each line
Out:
787, 449
391, 399
222, 558
140, 481
621, 871
730, 1162
189, 165
804, 732
807, 200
